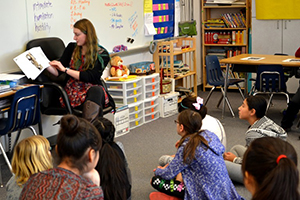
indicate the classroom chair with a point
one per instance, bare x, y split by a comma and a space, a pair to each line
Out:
215, 78
53, 48
24, 112
270, 81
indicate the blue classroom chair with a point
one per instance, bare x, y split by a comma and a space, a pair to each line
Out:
270, 80
24, 112
215, 78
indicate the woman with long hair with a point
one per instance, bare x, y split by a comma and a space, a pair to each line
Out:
270, 170
199, 159
31, 155
83, 63
78, 146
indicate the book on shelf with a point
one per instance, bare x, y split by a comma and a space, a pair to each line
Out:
234, 20
32, 62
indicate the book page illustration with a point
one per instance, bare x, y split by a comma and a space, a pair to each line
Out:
32, 62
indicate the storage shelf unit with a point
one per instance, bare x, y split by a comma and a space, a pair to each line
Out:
178, 49
151, 109
214, 12
141, 96
126, 92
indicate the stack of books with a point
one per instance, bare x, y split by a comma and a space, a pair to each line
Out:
214, 23
220, 53
234, 20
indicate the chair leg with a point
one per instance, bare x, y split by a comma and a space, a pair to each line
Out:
1, 181
209, 94
228, 103
269, 103
241, 92
5, 157
220, 100
298, 123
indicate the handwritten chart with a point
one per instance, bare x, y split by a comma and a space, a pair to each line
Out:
116, 22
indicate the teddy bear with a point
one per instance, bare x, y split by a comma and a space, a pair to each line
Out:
117, 68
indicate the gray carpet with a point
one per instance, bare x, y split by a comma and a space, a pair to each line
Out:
145, 144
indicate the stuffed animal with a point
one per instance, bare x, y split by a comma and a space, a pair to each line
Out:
117, 68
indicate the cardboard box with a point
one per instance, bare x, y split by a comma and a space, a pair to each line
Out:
168, 104
120, 119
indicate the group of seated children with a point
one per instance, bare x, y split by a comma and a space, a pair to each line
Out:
90, 165
201, 169
79, 166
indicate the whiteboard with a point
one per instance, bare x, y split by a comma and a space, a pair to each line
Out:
115, 21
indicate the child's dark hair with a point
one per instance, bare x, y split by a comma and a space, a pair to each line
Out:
111, 167
105, 128
187, 103
192, 123
75, 136
259, 104
276, 176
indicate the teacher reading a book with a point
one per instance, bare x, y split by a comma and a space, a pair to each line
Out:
83, 63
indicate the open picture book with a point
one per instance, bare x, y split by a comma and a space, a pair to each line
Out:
32, 62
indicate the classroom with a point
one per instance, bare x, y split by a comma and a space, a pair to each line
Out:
151, 56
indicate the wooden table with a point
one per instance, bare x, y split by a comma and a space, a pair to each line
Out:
250, 65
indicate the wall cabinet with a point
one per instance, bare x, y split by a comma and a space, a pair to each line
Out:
275, 36
180, 49
218, 46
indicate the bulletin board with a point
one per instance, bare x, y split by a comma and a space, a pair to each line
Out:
270, 9
116, 22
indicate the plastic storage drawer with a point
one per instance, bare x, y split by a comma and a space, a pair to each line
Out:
138, 106
151, 117
150, 102
136, 123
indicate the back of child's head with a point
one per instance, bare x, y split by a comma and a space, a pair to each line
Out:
31, 155
105, 128
194, 103
191, 120
259, 104
75, 137
273, 164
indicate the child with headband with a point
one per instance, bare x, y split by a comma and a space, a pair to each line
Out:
208, 122
270, 169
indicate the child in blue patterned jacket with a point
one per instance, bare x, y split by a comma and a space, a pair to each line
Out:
199, 160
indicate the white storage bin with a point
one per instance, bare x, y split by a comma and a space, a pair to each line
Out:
136, 115
151, 117
152, 93
151, 109
151, 85
133, 99
151, 102
136, 123
120, 119
138, 106
126, 92
168, 104
153, 78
